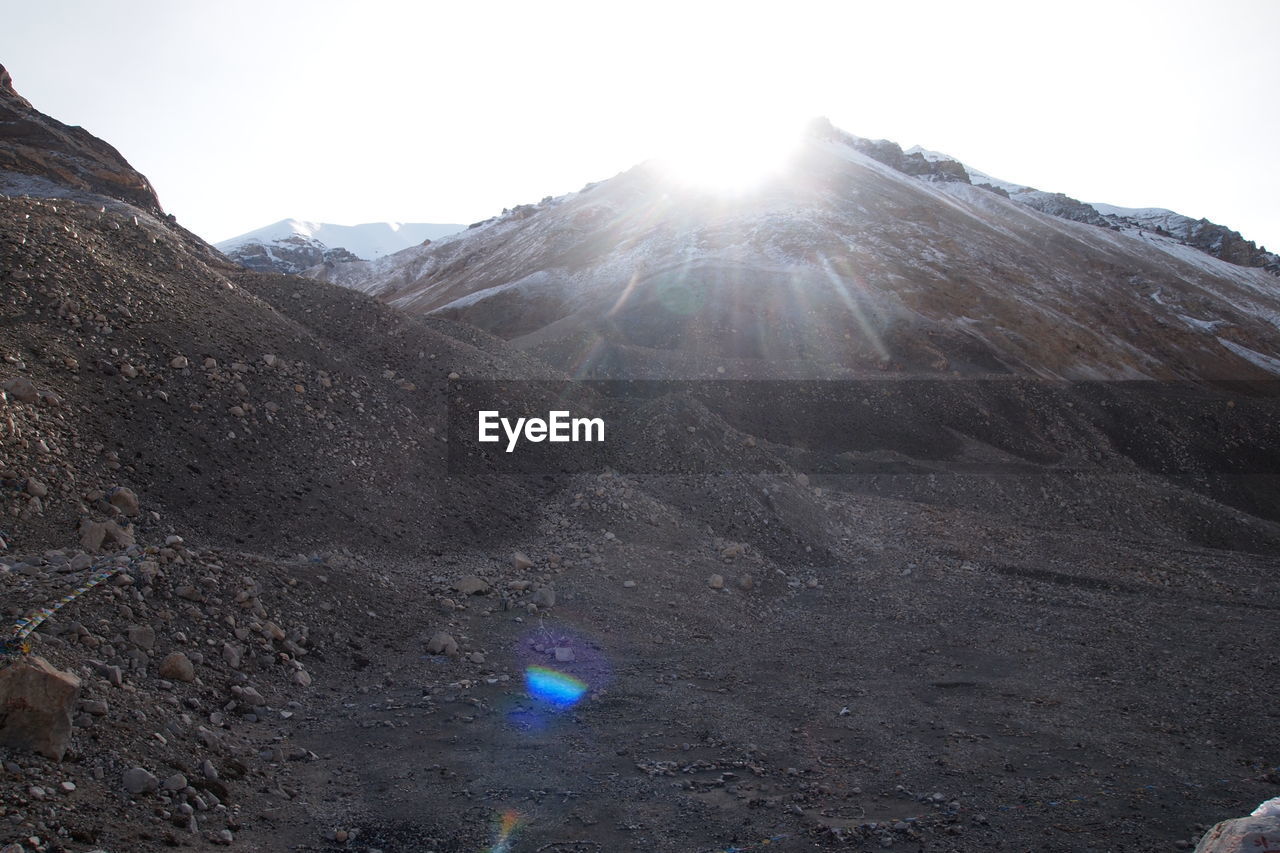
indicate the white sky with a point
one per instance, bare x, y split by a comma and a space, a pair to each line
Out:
244, 113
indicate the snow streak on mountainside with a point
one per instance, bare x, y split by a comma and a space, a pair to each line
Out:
292, 245
859, 258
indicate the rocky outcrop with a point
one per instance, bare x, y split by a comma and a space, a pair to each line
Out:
1061, 206
892, 155
32, 143
36, 701
290, 255
1209, 237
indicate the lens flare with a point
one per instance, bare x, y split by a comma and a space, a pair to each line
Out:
554, 687
508, 822
733, 154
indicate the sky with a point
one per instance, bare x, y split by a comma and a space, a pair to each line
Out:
245, 113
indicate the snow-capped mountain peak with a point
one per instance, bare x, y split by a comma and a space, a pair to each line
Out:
294, 245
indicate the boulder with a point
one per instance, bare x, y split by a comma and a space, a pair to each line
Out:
442, 644
178, 667
36, 703
95, 534
1259, 834
471, 585
138, 780
545, 596
142, 636
21, 389
125, 500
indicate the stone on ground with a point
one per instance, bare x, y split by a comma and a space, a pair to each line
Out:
36, 702
178, 667
139, 781
442, 644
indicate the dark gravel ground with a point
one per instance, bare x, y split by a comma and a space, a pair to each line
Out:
952, 682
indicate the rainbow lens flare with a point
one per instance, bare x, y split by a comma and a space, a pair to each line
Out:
554, 687
508, 822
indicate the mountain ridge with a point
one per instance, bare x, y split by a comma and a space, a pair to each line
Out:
938, 274
295, 245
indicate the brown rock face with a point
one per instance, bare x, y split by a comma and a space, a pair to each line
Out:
32, 143
36, 701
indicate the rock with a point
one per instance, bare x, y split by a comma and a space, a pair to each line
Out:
471, 585
746, 583
113, 674
142, 636
544, 596
733, 550
563, 654
92, 535
302, 678
1240, 835
442, 644
37, 489
125, 500
176, 782
21, 389
95, 534
249, 695
80, 562
178, 362
178, 667
95, 707
716, 581
36, 701
629, 584
188, 592
232, 654
208, 771
520, 561
139, 781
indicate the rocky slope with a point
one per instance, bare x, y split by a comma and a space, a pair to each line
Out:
293, 246
860, 259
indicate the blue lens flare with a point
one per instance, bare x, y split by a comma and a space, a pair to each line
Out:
554, 687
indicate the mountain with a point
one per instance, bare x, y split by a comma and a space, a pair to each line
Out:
859, 257
951, 603
292, 246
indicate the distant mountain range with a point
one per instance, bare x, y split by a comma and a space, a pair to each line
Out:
294, 245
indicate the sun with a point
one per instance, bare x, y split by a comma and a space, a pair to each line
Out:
731, 157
